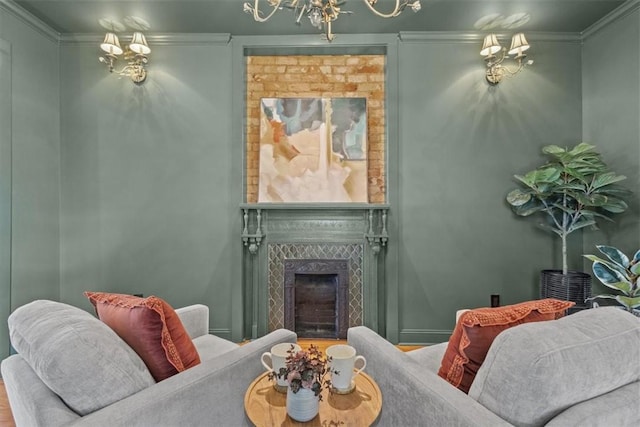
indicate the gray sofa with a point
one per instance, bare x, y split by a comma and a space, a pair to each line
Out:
66, 349
581, 370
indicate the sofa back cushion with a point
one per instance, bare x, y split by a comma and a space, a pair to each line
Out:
535, 371
152, 328
476, 329
78, 357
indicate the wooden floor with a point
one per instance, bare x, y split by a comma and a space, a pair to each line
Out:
6, 419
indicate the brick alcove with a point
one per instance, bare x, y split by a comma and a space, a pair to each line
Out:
307, 76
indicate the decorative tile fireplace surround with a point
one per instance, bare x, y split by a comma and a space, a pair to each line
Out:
353, 235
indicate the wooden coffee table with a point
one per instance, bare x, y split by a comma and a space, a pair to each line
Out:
267, 407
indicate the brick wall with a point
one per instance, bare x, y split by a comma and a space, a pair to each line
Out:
319, 76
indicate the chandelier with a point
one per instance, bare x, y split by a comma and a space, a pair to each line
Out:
322, 13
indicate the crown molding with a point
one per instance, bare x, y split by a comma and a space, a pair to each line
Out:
29, 19
475, 37
154, 39
624, 10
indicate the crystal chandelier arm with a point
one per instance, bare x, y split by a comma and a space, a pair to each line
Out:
255, 10
303, 9
415, 5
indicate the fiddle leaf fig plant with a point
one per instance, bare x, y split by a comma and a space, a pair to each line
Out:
619, 273
573, 190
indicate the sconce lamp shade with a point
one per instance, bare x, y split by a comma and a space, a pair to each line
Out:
111, 44
490, 45
518, 44
139, 44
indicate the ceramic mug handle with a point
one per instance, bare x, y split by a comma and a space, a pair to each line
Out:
364, 364
264, 363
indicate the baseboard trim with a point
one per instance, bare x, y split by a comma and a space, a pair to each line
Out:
423, 336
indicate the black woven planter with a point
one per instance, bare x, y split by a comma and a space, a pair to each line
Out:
575, 286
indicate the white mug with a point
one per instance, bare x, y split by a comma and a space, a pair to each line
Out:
277, 359
343, 362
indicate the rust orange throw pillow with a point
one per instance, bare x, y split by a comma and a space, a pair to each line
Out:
152, 328
476, 330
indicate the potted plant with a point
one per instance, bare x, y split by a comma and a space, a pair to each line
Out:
621, 274
305, 372
573, 190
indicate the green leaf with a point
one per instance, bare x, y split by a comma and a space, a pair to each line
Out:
593, 258
636, 257
610, 277
553, 149
602, 296
518, 198
581, 224
615, 255
601, 180
544, 174
614, 190
635, 269
612, 265
615, 206
563, 208
551, 228
633, 302
593, 214
527, 210
572, 186
582, 148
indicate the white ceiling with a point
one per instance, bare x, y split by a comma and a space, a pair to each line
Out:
226, 16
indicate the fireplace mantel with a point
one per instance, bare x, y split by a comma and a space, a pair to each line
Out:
273, 233
310, 216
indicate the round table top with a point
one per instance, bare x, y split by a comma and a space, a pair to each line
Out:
266, 407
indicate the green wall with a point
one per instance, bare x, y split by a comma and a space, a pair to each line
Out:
461, 141
30, 167
146, 205
5, 191
611, 108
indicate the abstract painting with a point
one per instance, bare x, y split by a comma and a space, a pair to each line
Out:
313, 150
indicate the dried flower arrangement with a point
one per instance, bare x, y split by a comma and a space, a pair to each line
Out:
306, 369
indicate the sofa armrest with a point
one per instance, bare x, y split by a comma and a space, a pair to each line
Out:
411, 394
42, 407
211, 393
195, 319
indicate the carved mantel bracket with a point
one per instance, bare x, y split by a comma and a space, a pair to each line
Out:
252, 240
376, 234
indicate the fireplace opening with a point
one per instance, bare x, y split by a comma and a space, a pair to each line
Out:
316, 298
316, 302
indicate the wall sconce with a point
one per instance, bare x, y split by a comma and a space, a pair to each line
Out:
135, 54
495, 69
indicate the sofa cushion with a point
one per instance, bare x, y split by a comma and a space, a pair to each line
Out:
152, 328
78, 357
476, 330
429, 357
210, 346
536, 371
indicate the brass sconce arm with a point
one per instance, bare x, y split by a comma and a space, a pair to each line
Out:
496, 70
